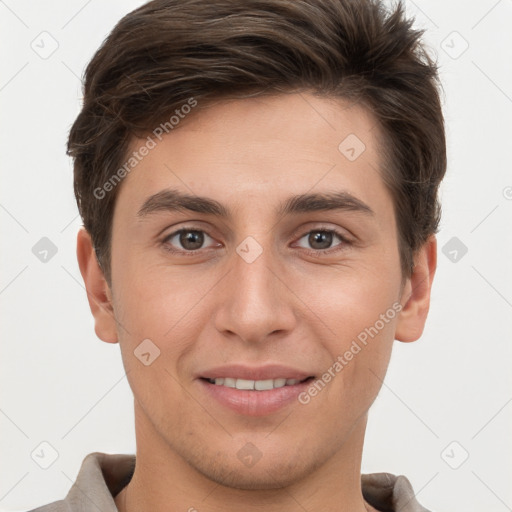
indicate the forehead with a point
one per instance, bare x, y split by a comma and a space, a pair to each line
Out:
264, 147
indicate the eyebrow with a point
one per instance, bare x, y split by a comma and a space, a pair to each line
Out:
173, 200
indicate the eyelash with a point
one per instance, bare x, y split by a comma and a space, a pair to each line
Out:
314, 252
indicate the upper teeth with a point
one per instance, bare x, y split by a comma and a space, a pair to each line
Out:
259, 385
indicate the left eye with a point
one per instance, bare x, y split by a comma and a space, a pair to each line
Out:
321, 239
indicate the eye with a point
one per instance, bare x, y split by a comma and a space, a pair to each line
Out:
322, 239
186, 240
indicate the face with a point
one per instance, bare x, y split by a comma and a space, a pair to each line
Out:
243, 283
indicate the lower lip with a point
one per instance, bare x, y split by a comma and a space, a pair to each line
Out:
254, 403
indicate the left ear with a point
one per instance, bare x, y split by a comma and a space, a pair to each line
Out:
416, 293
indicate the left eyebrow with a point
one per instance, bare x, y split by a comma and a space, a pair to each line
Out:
173, 200
305, 203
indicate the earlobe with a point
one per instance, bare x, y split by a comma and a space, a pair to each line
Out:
416, 293
98, 290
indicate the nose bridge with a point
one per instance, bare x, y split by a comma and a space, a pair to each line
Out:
255, 302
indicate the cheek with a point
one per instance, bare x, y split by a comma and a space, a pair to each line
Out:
360, 357
361, 312
158, 329
156, 302
349, 301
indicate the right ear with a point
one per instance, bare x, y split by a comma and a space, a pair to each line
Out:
98, 291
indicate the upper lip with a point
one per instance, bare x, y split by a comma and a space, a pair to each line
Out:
239, 371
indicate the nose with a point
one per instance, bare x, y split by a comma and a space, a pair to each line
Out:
255, 301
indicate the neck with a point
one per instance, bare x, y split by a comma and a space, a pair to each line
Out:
164, 482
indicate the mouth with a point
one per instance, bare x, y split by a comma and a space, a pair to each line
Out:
253, 390
253, 397
255, 385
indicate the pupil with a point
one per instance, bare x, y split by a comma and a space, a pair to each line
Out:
191, 239
322, 237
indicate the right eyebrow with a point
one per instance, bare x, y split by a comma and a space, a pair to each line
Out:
168, 200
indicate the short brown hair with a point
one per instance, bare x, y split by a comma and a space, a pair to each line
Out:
168, 51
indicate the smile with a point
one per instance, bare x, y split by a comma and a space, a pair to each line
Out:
256, 385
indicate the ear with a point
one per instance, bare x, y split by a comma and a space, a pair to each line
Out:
98, 291
416, 293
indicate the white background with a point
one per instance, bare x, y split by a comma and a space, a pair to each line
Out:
60, 384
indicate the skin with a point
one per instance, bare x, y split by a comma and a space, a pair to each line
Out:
288, 306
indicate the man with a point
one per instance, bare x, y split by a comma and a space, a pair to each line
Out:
258, 185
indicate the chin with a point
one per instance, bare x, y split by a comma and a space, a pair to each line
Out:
273, 471
265, 477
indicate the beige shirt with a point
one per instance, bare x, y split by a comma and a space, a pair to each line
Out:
102, 476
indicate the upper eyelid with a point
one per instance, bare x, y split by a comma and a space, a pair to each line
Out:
172, 234
335, 232
303, 232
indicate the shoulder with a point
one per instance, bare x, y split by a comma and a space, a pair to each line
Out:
101, 476
386, 491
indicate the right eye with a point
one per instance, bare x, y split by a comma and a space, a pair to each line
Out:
186, 240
